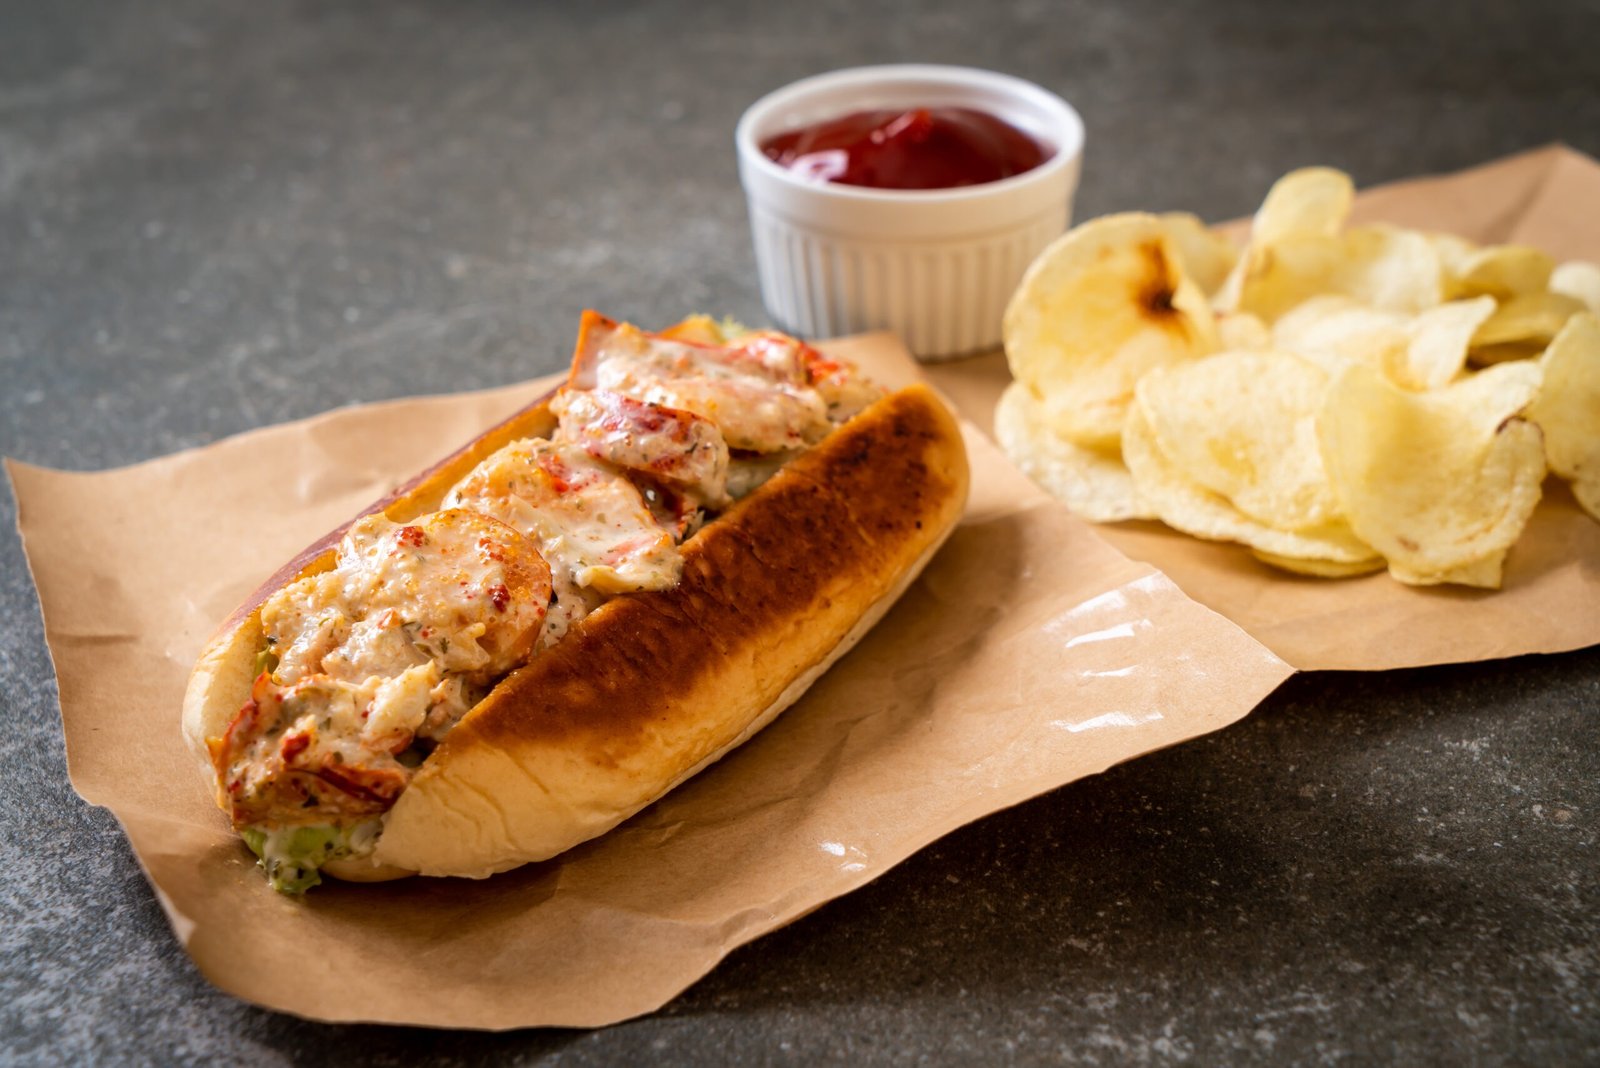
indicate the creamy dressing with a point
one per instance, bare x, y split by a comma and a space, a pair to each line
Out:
759, 399
591, 523
393, 643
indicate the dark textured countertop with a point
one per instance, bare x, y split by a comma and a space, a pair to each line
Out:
219, 215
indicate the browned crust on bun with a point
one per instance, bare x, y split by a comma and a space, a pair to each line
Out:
653, 686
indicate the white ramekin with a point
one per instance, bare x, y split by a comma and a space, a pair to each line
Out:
935, 266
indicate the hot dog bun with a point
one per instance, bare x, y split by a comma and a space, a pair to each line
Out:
655, 685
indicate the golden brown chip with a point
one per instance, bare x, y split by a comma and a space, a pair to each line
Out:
1437, 342
1568, 408
1207, 256
1320, 568
1502, 272
1105, 303
1334, 330
1453, 254
1240, 332
1187, 506
1485, 573
1378, 266
1529, 319
1309, 202
1312, 202
1242, 425
1434, 481
1094, 484
1579, 280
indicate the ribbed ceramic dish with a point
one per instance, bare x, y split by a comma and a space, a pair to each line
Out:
935, 266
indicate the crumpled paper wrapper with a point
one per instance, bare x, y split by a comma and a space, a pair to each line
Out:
1548, 604
1028, 654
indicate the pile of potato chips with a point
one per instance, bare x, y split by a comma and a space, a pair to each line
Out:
1338, 398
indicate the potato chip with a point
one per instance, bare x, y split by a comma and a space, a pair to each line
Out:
1424, 351
1436, 346
1320, 568
1094, 484
1207, 256
1579, 280
1187, 506
1502, 272
1568, 408
1309, 202
1434, 481
1530, 317
1241, 331
1334, 331
1453, 254
1381, 267
1242, 425
1486, 573
1105, 303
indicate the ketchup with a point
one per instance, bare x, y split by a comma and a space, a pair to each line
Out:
916, 148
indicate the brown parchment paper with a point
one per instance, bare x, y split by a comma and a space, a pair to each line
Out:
1548, 198
1029, 654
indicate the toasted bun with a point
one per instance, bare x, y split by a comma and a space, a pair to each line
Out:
653, 686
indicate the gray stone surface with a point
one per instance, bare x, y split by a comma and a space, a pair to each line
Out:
219, 215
